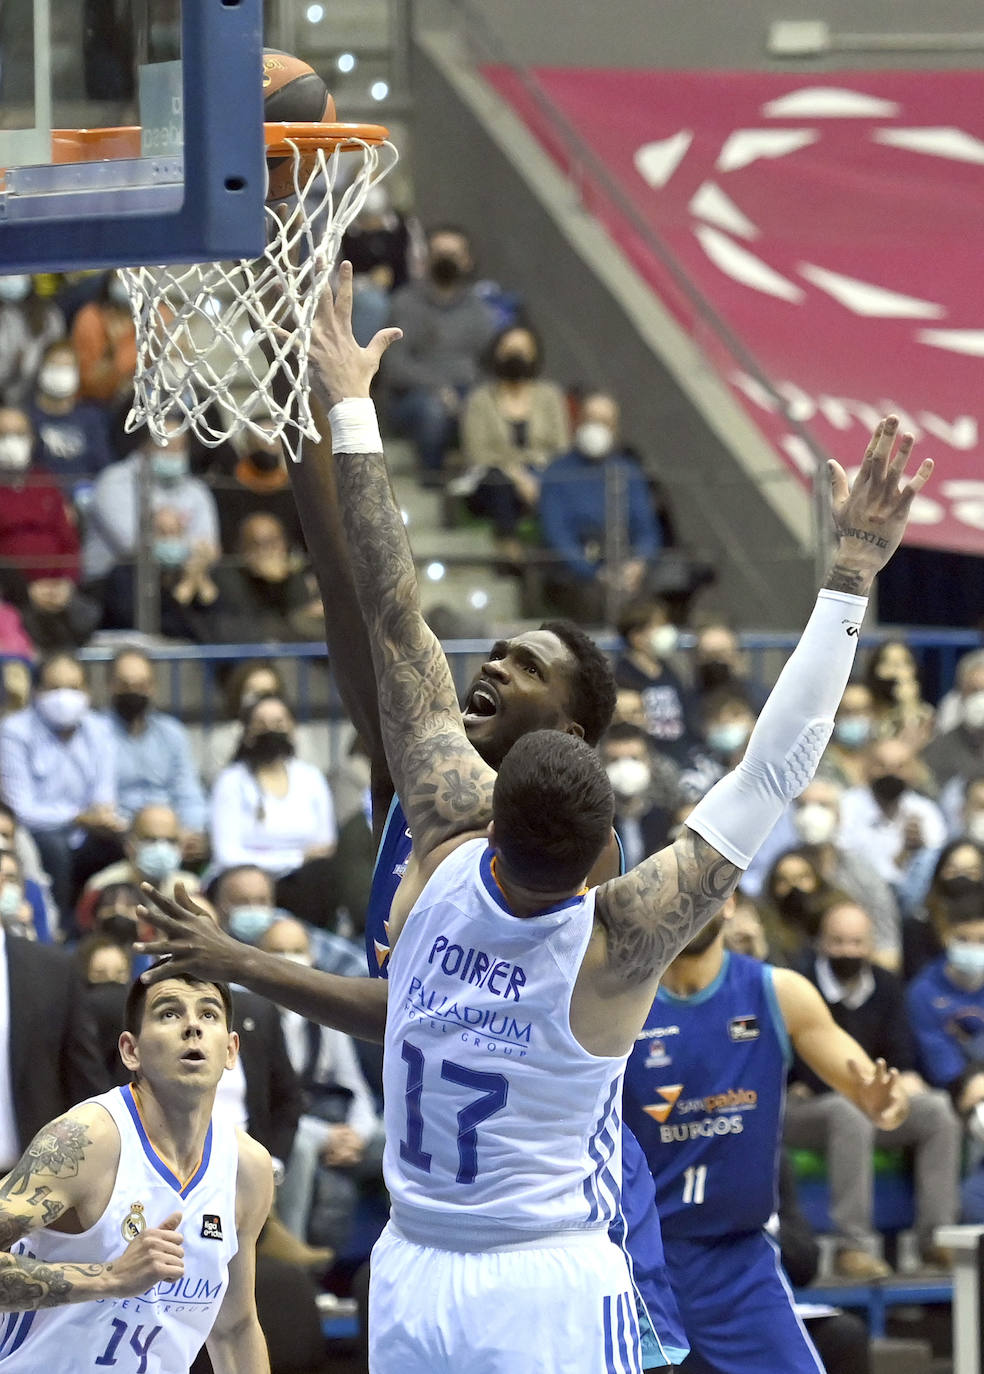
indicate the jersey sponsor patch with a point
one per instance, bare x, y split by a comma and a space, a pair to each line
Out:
657, 1057
659, 1111
742, 1028
211, 1226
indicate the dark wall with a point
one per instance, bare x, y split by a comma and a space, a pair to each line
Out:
462, 174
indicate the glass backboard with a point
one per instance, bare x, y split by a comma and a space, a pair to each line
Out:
130, 132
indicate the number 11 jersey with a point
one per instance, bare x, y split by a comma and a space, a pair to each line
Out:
500, 1127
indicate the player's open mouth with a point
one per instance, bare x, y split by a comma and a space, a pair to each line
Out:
193, 1057
483, 702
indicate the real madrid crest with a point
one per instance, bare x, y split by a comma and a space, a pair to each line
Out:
134, 1222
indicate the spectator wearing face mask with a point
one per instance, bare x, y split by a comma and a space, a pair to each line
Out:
99, 959
188, 596
900, 712
28, 324
844, 758
958, 753
597, 477
73, 435
813, 820
152, 854
869, 1004
154, 765
794, 897
105, 342
886, 819
946, 1004
268, 807
268, 594
379, 243
720, 662
644, 785
16, 912
646, 666
113, 515
338, 1146
947, 877
258, 484
512, 426
58, 775
37, 536
446, 328
37, 884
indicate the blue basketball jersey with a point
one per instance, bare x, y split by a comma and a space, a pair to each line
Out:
704, 1095
637, 1230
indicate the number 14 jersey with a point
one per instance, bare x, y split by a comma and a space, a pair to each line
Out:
500, 1127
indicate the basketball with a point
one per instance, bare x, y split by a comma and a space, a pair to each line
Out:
293, 92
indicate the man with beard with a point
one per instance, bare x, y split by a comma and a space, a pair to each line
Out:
704, 1093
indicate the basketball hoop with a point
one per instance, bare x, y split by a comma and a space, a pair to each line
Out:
222, 332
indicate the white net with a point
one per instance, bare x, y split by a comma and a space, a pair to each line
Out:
223, 346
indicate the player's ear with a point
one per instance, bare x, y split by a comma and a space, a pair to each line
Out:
129, 1052
232, 1049
573, 728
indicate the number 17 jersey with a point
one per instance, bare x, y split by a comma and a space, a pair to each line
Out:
500, 1126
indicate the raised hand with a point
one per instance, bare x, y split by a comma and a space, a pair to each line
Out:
155, 1256
871, 515
880, 1094
339, 367
194, 943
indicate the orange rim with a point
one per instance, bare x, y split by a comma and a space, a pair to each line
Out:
308, 138
93, 145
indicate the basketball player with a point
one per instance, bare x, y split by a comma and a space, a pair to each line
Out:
704, 1093
509, 961
129, 1225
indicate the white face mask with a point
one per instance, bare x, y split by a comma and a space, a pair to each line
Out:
629, 777
973, 711
815, 823
15, 452
663, 640
594, 439
967, 958
118, 293
15, 288
59, 380
62, 708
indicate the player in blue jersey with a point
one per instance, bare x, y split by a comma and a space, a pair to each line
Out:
704, 1093
639, 922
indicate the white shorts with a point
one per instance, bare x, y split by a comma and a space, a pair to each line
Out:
544, 1309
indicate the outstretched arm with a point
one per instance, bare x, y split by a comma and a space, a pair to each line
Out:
654, 911
444, 786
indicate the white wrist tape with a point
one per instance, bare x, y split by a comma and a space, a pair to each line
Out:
790, 735
354, 427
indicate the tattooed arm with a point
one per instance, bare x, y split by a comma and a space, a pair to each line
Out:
445, 788
70, 1168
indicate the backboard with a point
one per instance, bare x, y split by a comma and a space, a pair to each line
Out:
130, 132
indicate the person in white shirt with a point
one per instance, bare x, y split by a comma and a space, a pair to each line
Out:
886, 819
269, 808
339, 1140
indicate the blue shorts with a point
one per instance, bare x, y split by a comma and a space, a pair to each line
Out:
737, 1307
661, 1329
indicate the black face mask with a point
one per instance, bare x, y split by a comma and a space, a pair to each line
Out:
446, 271
514, 367
887, 790
264, 461
961, 887
268, 746
797, 908
713, 673
130, 706
119, 928
883, 688
846, 967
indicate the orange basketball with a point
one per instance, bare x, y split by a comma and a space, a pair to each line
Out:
293, 92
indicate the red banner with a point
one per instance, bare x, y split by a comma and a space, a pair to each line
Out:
835, 224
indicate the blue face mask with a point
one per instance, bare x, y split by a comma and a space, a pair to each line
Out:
250, 923
11, 899
157, 859
728, 737
853, 732
169, 466
171, 552
966, 958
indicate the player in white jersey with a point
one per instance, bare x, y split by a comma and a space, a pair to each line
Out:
496, 1257
129, 1225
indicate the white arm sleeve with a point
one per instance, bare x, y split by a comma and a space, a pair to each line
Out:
790, 735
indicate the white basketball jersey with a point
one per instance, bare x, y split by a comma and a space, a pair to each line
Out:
499, 1125
162, 1330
